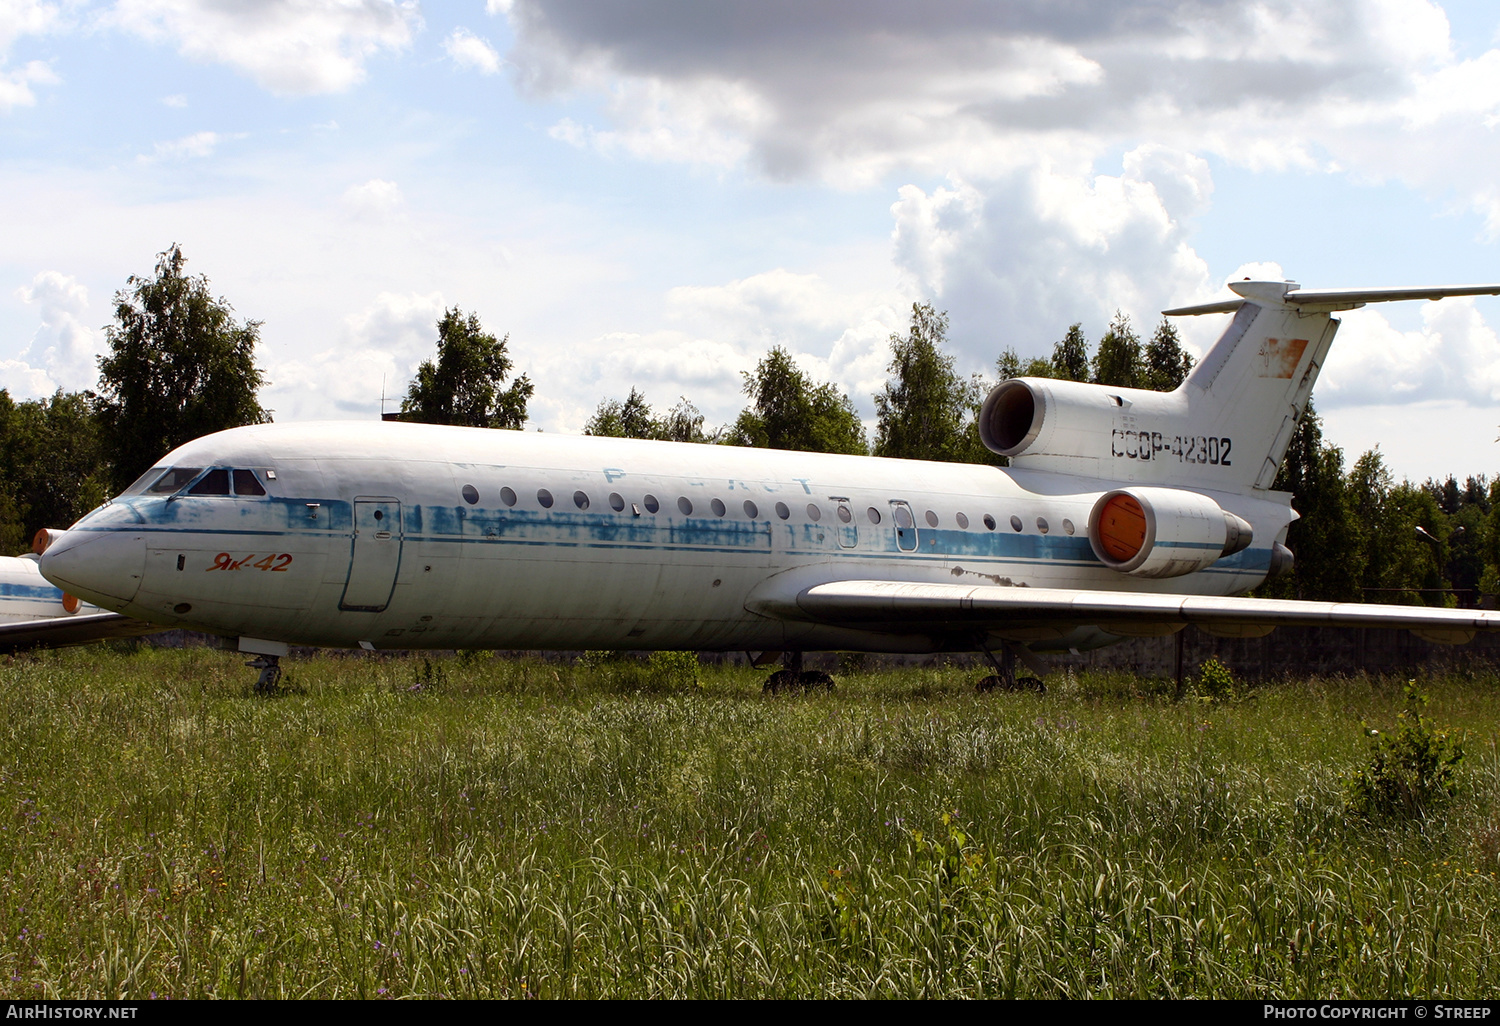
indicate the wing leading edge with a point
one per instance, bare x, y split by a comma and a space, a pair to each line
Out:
60, 632
886, 605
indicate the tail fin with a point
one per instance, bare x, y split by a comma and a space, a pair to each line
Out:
1226, 427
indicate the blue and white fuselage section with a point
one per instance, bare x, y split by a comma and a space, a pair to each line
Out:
416, 536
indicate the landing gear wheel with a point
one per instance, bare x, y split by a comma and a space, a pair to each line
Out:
1031, 684
987, 684
781, 680
270, 672
810, 680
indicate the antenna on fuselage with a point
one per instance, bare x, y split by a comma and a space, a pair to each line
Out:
383, 397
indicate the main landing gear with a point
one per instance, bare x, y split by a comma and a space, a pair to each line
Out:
795, 678
1004, 678
270, 672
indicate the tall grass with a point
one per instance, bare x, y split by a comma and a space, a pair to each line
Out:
477, 827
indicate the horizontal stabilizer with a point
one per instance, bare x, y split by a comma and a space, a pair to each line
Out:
1326, 300
62, 631
956, 606
1349, 299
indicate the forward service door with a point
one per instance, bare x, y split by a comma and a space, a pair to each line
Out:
376, 555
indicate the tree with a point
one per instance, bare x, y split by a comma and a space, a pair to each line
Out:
1070, 355
1167, 363
1010, 365
925, 409
178, 367
463, 386
630, 419
52, 468
633, 419
1329, 541
788, 411
1118, 361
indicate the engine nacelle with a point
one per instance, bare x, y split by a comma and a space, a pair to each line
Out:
1163, 532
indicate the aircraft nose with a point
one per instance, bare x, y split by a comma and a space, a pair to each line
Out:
104, 567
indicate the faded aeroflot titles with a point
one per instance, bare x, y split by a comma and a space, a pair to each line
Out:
1123, 512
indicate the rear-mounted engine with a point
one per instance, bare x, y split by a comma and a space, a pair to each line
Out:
1163, 532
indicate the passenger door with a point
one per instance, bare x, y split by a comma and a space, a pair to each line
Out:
376, 555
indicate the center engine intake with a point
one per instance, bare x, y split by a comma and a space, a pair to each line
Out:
1163, 532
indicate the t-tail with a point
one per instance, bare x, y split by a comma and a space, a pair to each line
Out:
1226, 428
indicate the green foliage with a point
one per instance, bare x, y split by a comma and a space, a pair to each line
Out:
1118, 361
530, 829
1411, 773
464, 385
1216, 681
1070, 355
179, 367
52, 468
633, 419
674, 671
925, 409
1330, 540
1167, 364
1010, 365
788, 411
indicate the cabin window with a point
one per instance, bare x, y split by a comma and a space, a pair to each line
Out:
685, 505
1041, 525
173, 480
616, 502
989, 521
508, 496
215, 482
932, 519
782, 511
718, 507
873, 514
471, 494
813, 512
246, 483
1067, 526
844, 515
1015, 523
751, 510
652, 503
544, 498
581, 500
962, 520
903, 518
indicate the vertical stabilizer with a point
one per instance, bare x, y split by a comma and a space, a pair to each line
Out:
1227, 427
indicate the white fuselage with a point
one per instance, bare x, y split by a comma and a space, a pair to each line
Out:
414, 536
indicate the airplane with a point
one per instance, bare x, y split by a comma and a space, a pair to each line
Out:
35, 614
1123, 512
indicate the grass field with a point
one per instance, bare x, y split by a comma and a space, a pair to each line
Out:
495, 828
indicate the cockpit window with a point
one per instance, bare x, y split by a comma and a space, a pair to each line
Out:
246, 483
173, 480
215, 482
139, 484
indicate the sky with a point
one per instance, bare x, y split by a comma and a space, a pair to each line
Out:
653, 194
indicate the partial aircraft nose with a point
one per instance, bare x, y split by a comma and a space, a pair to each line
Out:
104, 567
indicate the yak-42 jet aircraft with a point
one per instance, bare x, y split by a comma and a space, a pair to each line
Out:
1123, 512
34, 614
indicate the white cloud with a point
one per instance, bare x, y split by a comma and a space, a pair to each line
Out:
381, 348
199, 144
469, 51
25, 18
290, 47
1453, 356
374, 198
1017, 259
177, 100
15, 86
63, 351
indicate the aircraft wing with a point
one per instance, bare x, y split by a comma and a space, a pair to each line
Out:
892, 605
60, 631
